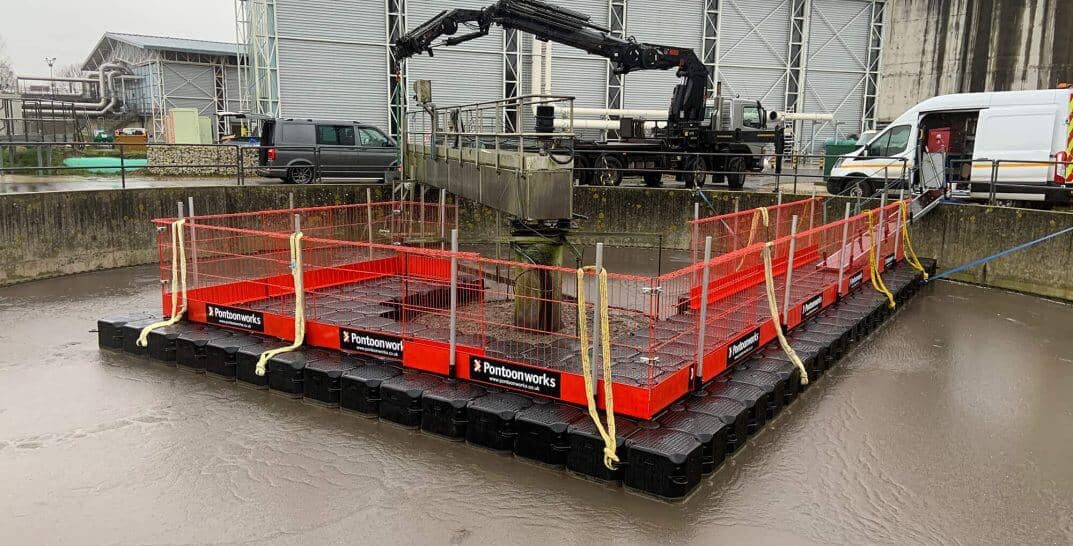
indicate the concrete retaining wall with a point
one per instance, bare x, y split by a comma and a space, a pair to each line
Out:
958, 235
221, 160
49, 234
58, 233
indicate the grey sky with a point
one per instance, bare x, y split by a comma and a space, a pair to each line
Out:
68, 29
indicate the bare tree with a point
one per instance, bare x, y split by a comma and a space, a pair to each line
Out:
73, 70
7, 72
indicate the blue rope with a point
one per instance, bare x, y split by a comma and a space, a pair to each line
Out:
704, 197
1000, 254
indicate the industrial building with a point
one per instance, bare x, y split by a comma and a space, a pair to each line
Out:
171, 73
331, 58
965, 46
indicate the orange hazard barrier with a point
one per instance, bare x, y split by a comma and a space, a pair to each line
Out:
376, 281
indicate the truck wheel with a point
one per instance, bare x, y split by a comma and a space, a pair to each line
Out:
694, 171
653, 180
736, 172
608, 170
299, 175
582, 170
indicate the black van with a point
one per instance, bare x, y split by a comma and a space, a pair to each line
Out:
296, 149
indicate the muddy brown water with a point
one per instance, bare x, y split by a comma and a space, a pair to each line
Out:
954, 424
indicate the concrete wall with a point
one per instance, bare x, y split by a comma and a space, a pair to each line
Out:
59, 233
51, 234
937, 47
958, 235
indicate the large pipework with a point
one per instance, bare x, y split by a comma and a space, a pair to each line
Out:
105, 80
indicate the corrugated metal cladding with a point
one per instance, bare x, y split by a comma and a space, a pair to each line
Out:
463, 74
754, 42
679, 23
232, 92
189, 86
574, 72
837, 63
332, 59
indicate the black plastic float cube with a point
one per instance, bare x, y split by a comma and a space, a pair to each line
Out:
162, 341
286, 372
360, 387
130, 331
491, 419
754, 398
246, 363
221, 353
847, 327
110, 331
663, 462
812, 355
830, 343
769, 383
542, 431
586, 455
710, 430
732, 412
190, 346
786, 372
323, 372
443, 408
400, 397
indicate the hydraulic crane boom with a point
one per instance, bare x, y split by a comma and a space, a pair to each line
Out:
556, 24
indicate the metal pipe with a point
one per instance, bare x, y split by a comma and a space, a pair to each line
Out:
845, 250
369, 217
193, 238
443, 214
789, 271
898, 226
702, 326
108, 101
696, 230
453, 326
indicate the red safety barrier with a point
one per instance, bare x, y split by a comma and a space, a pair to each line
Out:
517, 323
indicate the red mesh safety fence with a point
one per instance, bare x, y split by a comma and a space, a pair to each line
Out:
516, 324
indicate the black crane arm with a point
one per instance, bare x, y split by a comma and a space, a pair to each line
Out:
552, 23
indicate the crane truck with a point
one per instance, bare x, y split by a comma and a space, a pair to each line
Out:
723, 136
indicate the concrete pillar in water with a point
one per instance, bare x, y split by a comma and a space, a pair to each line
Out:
538, 292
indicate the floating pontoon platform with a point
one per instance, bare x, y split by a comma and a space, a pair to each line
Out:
691, 430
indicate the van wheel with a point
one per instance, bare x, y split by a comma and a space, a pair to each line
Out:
300, 175
860, 187
735, 174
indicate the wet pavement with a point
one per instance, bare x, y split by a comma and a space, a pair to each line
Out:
954, 424
32, 184
808, 182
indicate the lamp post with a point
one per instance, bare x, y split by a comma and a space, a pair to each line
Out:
51, 83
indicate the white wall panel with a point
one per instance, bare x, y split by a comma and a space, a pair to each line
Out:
679, 23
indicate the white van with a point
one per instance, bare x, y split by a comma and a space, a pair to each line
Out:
1027, 131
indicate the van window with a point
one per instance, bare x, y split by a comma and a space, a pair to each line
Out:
372, 137
890, 143
296, 134
335, 135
